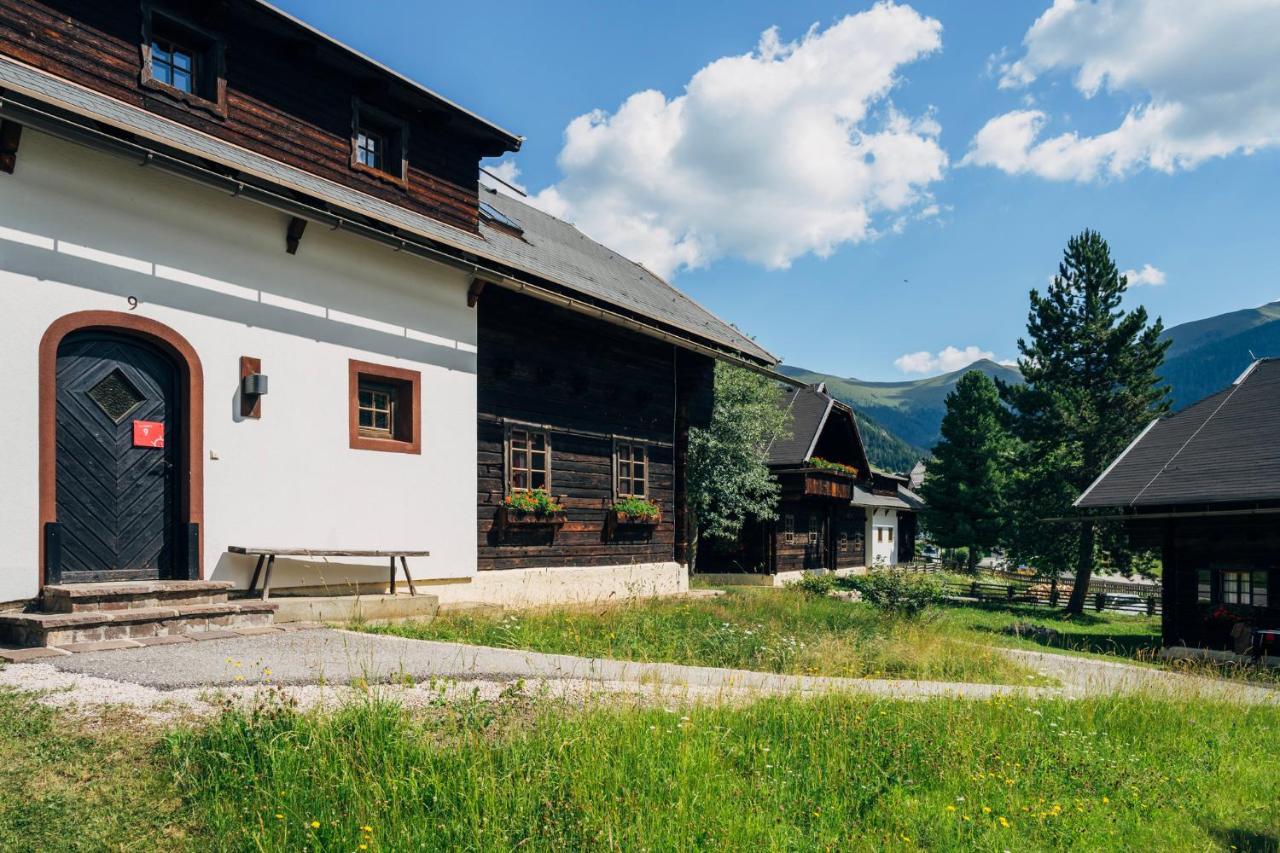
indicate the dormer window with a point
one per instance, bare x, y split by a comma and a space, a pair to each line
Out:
183, 61
379, 143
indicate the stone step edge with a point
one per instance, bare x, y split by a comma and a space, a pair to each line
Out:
124, 589
95, 618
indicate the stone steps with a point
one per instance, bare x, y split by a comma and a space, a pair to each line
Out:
60, 629
131, 595
148, 611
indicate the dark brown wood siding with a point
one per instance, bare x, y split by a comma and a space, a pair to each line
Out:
289, 96
587, 381
1217, 544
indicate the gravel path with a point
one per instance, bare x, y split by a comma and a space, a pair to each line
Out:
325, 666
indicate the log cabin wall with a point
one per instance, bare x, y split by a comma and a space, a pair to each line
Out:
828, 521
1218, 544
289, 94
586, 380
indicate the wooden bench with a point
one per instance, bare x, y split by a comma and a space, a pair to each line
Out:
268, 556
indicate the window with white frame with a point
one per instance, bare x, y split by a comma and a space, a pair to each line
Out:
789, 529
815, 529
1244, 588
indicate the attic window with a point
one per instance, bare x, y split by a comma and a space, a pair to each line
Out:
183, 61
379, 143
491, 214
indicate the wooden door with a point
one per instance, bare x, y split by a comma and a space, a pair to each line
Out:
116, 501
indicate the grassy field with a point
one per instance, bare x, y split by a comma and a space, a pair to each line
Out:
829, 773
782, 631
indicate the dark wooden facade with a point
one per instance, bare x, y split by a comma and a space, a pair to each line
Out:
1201, 553
286, 93
588, 386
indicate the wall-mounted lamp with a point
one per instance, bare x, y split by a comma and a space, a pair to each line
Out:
253, 385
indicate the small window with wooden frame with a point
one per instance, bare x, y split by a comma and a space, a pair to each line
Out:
630, 470
789, 529
528, 459
379, 143
815, 528
384, 408
183, 61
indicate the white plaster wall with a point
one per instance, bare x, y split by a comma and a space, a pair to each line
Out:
566, 585
881, 553
81, 230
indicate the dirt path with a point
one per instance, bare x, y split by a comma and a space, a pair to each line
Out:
323, 667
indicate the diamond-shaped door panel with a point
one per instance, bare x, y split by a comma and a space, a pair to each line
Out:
116, 395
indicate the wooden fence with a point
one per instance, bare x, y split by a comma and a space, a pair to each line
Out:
1046, 594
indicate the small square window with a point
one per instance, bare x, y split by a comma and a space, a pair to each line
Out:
385, 408
379, 142
789, 529
814, 529
1204, 586
183, 61
528, 460
632, 470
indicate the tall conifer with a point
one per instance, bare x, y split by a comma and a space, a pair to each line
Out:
1091, 385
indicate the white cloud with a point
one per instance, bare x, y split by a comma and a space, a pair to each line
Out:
507, 175
1203, 76
790, 149
1148, 276
944, 361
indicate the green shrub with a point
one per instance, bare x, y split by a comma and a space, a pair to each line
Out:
899, 592
536, 502
815, 585
638, 509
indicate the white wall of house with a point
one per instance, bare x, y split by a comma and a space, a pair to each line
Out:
80, 230
882, 536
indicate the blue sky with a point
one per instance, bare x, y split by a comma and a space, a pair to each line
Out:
1174, 158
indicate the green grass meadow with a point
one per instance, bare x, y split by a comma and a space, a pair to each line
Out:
839, 773
786, 631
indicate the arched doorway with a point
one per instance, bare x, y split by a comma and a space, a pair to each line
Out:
120, 447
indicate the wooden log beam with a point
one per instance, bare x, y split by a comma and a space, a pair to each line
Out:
293, 235
473, 294
10, 137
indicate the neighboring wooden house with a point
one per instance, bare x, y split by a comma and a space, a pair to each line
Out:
1202, 487
818, 528
196, 196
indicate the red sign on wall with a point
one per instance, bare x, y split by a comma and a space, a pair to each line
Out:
148, 434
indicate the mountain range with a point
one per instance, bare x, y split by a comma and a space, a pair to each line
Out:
900, 420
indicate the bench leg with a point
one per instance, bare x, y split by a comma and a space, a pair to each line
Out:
393, 575
404, 564
257, 570
266, 580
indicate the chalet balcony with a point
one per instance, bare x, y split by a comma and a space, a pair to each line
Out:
815, 483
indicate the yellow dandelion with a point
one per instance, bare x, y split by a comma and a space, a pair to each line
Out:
279, 816
1004, 822
366, 828
1106, 800
950, 807
315, 824
906, 838
986, 810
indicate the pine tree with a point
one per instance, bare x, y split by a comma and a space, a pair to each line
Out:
964, 490
1091, 386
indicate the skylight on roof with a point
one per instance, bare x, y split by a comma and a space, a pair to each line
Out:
497, 217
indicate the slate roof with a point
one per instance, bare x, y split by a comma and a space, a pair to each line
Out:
903, 500
1223, 449
551, 250
556, 250
809, 407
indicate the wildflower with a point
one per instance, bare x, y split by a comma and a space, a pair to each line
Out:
366, 829
986, 810
1106, 800
950, 807
315, 824
279, 816
1004, 822
906, 838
